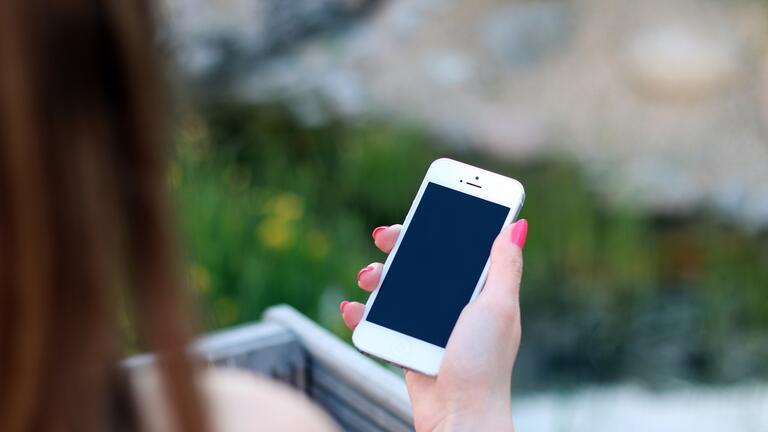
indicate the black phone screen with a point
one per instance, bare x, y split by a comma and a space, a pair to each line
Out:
438, 264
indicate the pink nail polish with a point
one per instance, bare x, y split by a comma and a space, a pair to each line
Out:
343, 305
363, 271
377, 230
520, 232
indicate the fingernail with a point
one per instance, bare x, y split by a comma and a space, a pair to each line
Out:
377, 230
343, 305
520, 232
363, 271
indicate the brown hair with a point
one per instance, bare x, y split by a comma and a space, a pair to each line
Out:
84, 219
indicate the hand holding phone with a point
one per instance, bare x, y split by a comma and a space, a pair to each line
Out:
473, 386
440, 262
474, 379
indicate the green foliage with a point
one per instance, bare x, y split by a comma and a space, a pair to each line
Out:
276, 212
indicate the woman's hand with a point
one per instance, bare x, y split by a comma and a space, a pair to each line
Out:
472, 389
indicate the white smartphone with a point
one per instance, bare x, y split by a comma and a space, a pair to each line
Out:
438, 265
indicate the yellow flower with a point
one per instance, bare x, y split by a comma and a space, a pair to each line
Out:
200, 279
277, 230
276, 234
286, 206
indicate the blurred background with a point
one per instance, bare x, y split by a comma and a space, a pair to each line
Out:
639, 130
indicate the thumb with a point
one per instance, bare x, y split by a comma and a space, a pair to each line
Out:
502, 287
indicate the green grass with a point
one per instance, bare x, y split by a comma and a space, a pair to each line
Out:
275, 212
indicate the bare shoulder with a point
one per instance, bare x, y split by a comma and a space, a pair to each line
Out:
237, 401
241, 401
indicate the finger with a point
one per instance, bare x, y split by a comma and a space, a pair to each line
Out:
386, 236
502, 286
352, 313
368, 277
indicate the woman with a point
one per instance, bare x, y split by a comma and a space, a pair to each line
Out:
88, 266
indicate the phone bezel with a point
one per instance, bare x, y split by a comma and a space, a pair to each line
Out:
401, 349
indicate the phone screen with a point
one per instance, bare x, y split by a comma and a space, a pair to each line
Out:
437, 266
